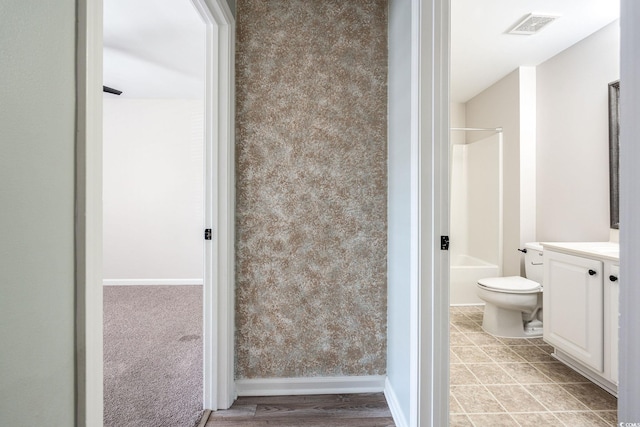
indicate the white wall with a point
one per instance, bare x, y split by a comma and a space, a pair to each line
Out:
153, 191
502, 105
573, 138
528, 159
399, 204
37, 118
458, 119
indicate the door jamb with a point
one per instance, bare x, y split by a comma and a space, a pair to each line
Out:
218, 293
430, 213
88, 215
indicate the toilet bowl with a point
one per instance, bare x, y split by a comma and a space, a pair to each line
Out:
513, 305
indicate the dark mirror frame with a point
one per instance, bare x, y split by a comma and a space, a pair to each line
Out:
614, 153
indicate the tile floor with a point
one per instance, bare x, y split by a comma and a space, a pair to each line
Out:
515, 382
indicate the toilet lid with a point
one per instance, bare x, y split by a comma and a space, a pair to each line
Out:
510, 284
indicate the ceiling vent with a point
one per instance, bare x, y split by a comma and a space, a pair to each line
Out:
533, 23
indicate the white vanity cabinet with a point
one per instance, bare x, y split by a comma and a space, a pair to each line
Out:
580, 308
573, 307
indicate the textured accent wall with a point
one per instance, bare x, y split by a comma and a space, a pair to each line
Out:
311, 188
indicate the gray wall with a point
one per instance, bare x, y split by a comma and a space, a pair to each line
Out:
629, 389
37, 119
399, 202
232, 6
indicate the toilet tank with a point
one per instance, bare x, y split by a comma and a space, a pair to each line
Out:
533, 267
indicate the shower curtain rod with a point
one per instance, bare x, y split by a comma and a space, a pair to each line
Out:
479, 129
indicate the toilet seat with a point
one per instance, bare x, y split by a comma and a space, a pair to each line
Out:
511, 284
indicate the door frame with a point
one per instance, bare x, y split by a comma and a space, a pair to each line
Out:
218, 289
430, 213
432, 363
629, 346
219, 279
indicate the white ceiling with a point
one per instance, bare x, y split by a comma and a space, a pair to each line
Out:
482, 53
153, 48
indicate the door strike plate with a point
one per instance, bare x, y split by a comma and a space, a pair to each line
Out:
444, 243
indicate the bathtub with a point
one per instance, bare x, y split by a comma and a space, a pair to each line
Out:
464, 275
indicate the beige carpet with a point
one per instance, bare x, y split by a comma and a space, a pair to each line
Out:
152, 356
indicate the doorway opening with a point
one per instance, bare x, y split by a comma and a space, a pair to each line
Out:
153, 212
539, 100
218, 384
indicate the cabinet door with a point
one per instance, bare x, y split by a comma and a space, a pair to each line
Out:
613, 282
573, 307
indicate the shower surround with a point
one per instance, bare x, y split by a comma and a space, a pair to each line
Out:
476, 216
311, 159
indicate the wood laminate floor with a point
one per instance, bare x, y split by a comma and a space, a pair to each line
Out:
353, 410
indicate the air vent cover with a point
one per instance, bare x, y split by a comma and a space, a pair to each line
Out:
533, 23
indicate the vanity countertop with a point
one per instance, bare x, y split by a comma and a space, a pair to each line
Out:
604, 250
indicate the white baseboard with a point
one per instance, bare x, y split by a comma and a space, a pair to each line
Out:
399, 418
146, 282
314, 385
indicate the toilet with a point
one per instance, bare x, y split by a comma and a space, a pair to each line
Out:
513, 305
